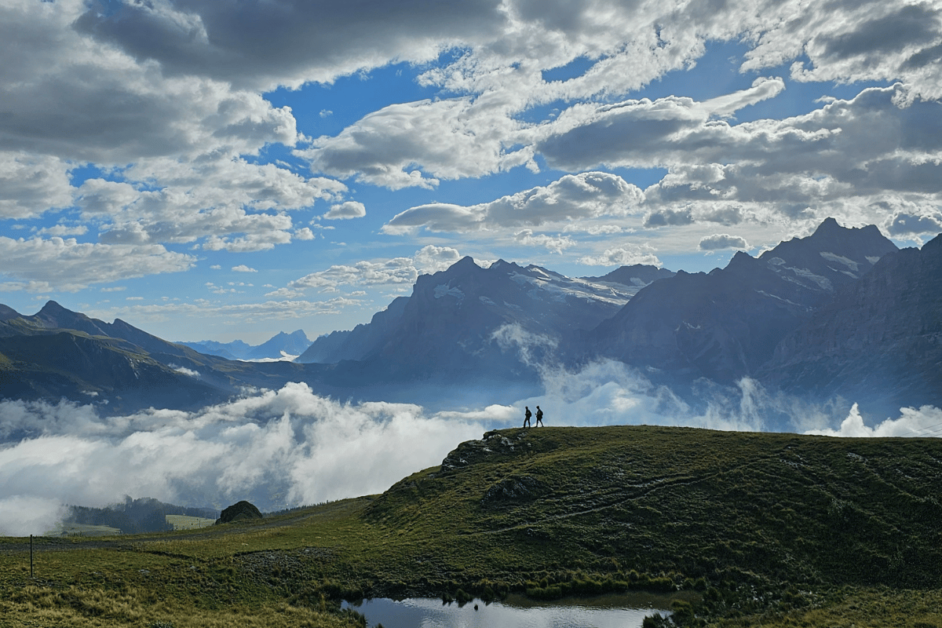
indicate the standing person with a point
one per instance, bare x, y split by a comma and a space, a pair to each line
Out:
526, 418
539, 417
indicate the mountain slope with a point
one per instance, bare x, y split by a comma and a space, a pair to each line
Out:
726, 324
879, 339
57, 353
275, 347
82, 368
451, 327
751, 529
358, 342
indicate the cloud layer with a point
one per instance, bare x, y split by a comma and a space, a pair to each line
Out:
291, 447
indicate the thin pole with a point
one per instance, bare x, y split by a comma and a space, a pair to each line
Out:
30, 555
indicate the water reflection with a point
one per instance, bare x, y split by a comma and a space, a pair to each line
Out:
609, 611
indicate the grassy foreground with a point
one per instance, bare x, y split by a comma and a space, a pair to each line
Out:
744, 529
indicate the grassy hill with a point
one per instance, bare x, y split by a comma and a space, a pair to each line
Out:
751, 529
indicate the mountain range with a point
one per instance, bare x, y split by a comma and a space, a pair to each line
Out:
840, 313
279, 346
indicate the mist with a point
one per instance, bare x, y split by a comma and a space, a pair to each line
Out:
291, 447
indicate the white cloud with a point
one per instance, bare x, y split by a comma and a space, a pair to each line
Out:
626, 255
224, 201
431, 259
242, 268
925, 421
30, 185
586, 195
22, 515
346, 210
869, 148
399, 270
68, 265
722, 241
63, 230
290, 443
291, 307
167, 98
185, 371
416, 144
556, 244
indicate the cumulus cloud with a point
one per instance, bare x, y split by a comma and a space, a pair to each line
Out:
417, 144
242, 268
313, 43
168, 100
720, 241
431, 259
399, 270
586, 195
869, 147
627, 255
30, 185
65, 264
554, 244
222, 201
926, 421
342, 211
129, 109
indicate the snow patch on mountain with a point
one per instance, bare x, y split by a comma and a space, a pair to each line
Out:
823, 282
559, 287
833, 257
445, 290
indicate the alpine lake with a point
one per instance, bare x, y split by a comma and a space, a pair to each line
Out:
516, 611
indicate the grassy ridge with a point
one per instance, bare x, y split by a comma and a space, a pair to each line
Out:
751, 528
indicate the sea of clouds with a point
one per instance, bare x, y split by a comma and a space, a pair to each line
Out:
291, 447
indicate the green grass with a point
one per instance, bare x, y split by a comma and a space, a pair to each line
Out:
79, 529
185, 522
746, 529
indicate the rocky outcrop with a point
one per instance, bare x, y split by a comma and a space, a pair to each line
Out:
513, 490
240, 511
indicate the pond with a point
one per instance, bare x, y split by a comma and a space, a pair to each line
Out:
606, 611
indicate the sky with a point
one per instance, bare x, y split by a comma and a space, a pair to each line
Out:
229, 169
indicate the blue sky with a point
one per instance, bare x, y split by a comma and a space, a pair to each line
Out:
214, 169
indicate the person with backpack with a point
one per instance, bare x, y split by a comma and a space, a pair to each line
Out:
539, 417
526, 418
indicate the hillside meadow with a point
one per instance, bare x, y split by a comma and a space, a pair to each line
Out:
738, 529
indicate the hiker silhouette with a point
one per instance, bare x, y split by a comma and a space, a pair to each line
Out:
539, 417
526, 418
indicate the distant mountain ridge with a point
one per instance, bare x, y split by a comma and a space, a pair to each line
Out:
878, 339
448, 324
276, 347
840, 313
725, 324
